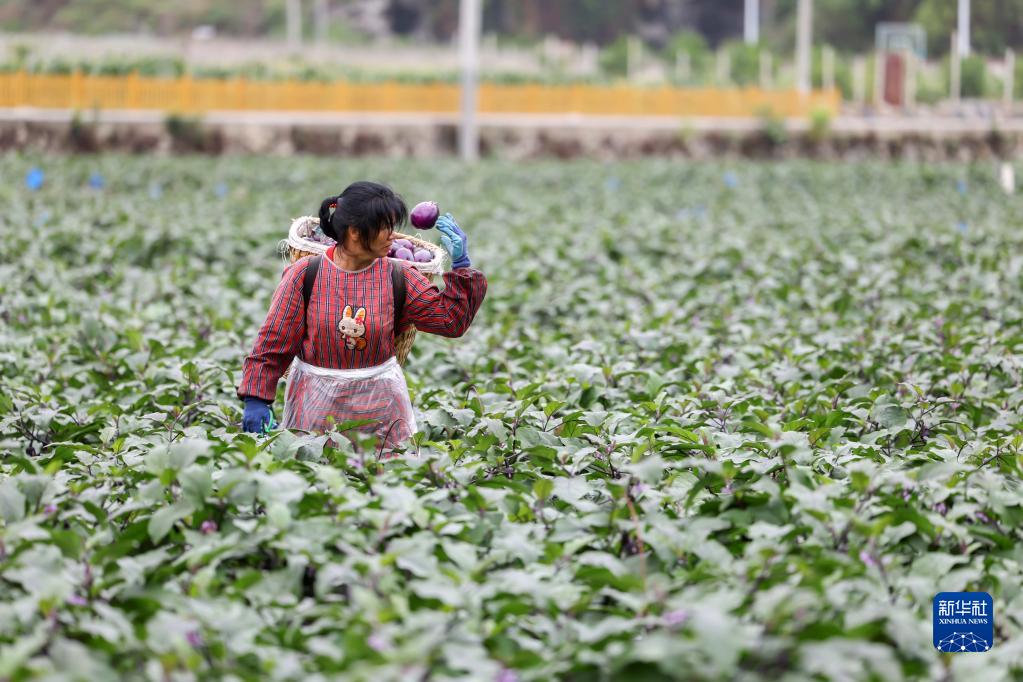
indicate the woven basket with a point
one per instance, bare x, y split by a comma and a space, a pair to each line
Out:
304, 239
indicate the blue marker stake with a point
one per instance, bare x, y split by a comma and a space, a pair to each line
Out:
731, 180
96, 180
34, 179
961, 186
221, 190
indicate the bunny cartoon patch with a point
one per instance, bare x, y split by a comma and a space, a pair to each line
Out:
353, 329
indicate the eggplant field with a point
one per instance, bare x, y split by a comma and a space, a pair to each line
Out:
731, 421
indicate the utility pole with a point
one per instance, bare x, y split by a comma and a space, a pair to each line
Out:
765, 70
828, 68
859, 81
682, 66
878, 78
963, 28
633, 58
909, 84
293, 17
751, 22
470, 25
723, 68
1010, 74
322, 9
955, 76
803, 29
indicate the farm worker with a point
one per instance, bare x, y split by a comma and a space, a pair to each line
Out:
343, 344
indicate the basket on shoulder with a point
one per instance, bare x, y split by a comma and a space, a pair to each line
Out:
305, 238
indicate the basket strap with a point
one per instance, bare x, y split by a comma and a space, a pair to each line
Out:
398, 287
311, 271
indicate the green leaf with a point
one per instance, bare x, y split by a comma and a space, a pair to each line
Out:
196, 484
551, 407
69, 542
12, 502
14, 656
890, 416
860, 481
164, 519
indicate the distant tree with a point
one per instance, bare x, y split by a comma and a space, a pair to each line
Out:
994, 24
844, 24
848, 25
694, 46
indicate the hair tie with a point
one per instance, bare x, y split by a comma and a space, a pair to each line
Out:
334, 205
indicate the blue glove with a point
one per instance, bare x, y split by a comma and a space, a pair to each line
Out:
454, 241
258, 418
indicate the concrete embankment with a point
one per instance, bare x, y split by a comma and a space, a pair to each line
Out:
511, 136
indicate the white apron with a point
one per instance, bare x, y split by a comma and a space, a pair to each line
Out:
316, 395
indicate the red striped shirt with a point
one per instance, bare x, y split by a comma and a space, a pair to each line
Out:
351, 318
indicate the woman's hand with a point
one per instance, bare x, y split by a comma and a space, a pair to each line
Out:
258, 417
454, 241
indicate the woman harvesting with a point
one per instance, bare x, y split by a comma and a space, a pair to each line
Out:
342, 337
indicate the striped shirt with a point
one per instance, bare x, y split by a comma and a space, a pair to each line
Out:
351, 318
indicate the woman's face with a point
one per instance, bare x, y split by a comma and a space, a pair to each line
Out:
379, 246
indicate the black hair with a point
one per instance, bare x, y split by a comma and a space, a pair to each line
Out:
369, 207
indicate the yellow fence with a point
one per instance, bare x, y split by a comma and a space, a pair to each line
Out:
188, 95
